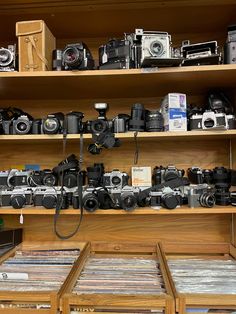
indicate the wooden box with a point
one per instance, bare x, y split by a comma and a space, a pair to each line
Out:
116, 302
203, 251
35, 46
24, 302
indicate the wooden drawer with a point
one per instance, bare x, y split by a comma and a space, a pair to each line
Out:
21, 302
200, 300
107, 301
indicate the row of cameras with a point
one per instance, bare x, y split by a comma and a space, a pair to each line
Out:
106, 190
137, 50
218, 112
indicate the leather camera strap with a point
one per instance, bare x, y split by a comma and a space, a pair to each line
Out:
31, 46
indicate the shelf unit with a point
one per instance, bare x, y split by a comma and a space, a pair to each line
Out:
40, 93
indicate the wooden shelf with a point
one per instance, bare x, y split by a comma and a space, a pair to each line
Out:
157, 136
138, 211
100, 84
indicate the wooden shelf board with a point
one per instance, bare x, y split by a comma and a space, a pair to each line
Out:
190, 135
139, 211
115, 83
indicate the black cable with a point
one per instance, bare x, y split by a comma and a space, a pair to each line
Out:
136, 154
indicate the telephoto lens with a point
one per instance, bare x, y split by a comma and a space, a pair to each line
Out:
154, 121
137, 121
222, 180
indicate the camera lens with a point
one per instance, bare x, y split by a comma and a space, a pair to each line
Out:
222, 197
70, 180
116, 180
154, 121
99, 126
50, 126
49, 201
128, 202
207, 200
137, 121
22, 127
90, 202
72, 56
6, 57
222, 177
49, 180
157, 48
18, 201
209, 123
169, 201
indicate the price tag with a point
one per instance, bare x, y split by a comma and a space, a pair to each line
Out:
14, 276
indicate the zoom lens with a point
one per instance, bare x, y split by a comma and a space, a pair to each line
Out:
128, 202
154, 121
137, 121
170, 201
90, 202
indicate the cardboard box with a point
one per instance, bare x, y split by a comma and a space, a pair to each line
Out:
174, 111
35, 46
142, 176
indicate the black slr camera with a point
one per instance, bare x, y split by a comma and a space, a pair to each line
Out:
43, 177
163, 174
230, 46
8, 59
53, 123
73, 57
95, 175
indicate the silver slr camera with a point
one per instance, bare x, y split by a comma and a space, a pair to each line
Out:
153, 48
17, 197
125, 198
115, 179
200, 195
212, 120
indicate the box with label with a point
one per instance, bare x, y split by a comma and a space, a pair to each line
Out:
141, 176
174, 111
35, 46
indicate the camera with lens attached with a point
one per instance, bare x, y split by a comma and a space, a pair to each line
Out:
18, 178
43, 177
73, 123
53, 123
166, 198
8, 59
17, 122
211, 120
94, 198
201, 195
197, 175
121, 123
152, 49
115, 179
116, 54
125, 197
163, 174
17, 197
48, 197
230, 46
73, 57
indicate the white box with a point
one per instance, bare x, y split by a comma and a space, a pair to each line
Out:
142, 176
174, 111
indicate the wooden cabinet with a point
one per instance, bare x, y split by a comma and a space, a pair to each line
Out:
39, 93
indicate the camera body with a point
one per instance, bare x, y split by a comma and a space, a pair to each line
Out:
115, 179
75, 57
90, 198
163, 174
8, 59
197, 175
166, 198
53, 123
43, 177
151, 49
17, 178
73, 123
230, 46
95, 175
211, 120
48, 197
200, 195
121, 123
21, 125
101, 124
116, 54
17, 197
125, 197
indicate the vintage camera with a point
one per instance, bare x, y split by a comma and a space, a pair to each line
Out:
197, 175
125, 198
230, 46
121, 123
200, 195
70, 178
18, 177
163, 174
115, 179
48, 197
74, 57
17, 197
210, 120
43, 177
95, 175
116, 54
102, 131
8, 59
222, 178
94, 198
73, 123
154, 121
201, 53
152, 49
22, 125
53, 123
166, 198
